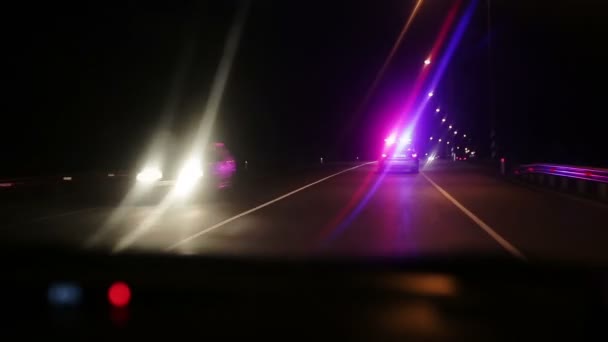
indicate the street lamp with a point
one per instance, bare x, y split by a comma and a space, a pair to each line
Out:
431, 94
443, 120
439, 140
431, 138
455, 132
464, 135
427, 61
437, 110
450, 127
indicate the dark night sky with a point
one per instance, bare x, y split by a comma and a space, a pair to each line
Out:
87, 85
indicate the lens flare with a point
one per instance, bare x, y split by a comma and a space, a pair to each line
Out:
406, 139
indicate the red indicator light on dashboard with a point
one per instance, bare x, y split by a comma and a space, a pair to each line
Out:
119, 294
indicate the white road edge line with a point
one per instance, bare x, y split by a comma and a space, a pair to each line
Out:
501, 241
226, 221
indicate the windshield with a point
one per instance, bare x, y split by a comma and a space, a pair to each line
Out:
318, 129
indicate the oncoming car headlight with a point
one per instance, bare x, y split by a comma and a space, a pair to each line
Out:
188, 176
149, 175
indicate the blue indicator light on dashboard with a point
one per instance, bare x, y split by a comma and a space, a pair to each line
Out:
64, 294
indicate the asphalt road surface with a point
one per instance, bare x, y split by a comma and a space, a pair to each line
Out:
335, 210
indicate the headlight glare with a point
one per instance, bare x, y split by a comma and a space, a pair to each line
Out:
149, 175
189, 176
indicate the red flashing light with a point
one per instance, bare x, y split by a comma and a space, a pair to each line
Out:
119, 294
553, 169
588, 174
530, 169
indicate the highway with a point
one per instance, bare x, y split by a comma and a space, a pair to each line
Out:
449, 209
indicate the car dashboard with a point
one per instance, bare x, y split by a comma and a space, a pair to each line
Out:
141, 296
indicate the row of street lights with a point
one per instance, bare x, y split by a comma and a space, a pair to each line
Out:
427, 62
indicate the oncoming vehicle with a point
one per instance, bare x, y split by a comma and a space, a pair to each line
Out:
214, 168
399, 155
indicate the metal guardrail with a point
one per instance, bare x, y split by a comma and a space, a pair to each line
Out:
584, 173
588, 182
